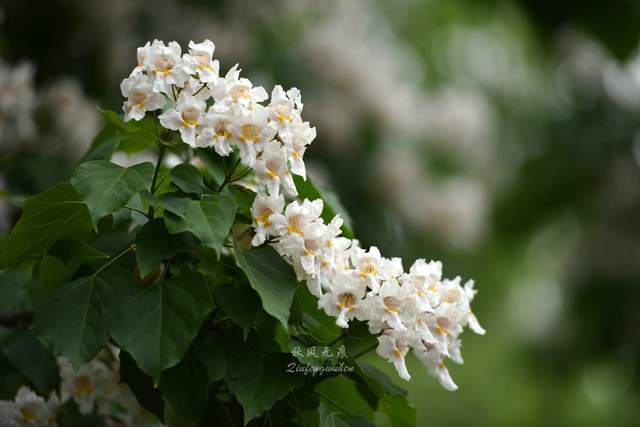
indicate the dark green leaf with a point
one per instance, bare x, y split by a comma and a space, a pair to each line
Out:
175, 203
239, 302
374, 374
344, 395
33, 360
154, 244
102, 146
71, 323
259, 380
329, 418
211, 219
186, 385
312, 320
52, 274
272, 278
148, 396
107, 187
157, 322
13, 288
394, 410
188, 178
76, 253
56, 213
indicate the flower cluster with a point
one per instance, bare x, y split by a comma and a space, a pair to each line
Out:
95, 388
416, 310
220, 112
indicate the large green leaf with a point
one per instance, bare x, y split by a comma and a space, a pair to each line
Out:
175, 203
332, 206
344, 395
56, 213
211, 219
272, 278
328, 418
157, 322
394, 410
107, 187
188, 178
186, 385
141, 385
154, 244
71, 323
32, 359
259, 380
239, 302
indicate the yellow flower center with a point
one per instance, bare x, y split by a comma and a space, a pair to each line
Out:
391, 304
346, 300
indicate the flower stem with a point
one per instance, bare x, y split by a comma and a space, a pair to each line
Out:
154, 180
227, 176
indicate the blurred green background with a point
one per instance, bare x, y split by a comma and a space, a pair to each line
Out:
500, 137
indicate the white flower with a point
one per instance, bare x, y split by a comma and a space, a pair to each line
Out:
267, 216
344, 301
271, 168
299, 215
164, 64
239, 92
200, 60
33, 409
388, 305
138, 90
285, 107
186, 117
9, 414
216, 132
252, 133
368, 265
141, 55
393, 347
434, 362
296, 141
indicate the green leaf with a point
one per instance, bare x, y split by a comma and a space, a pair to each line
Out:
332, 419
312, 320
32, 359
141, 385
53, 274
394, 410
332, 206
154, 244
56, 213
102, 146
239, 302
107, 187
71, 323
188, 178
76, 254
371, 373
344, 395
186, 385
272, 278
157, 322
211, 219
138, 136
13, 288
259, 380
175, 203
